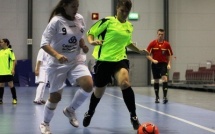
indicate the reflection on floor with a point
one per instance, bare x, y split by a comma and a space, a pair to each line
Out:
188, 112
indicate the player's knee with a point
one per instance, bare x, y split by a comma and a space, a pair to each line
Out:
86, 83
164, 79
124, 84
55, 97
88, 87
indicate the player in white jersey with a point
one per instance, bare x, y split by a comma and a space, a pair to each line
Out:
41, 76
63, 41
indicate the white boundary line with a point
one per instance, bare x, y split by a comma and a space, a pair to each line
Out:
171, 116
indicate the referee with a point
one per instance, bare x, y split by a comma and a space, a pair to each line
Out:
160, 56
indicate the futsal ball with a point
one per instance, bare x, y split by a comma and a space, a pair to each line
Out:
148, 128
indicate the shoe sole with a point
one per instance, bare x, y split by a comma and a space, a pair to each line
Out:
69, 120
37, 103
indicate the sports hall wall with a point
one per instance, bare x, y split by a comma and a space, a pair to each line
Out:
191, 26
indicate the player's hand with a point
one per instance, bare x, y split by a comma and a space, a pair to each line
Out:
36, 73
168, 66
155, 61
97, 42
13, 72
61, 58
85, 49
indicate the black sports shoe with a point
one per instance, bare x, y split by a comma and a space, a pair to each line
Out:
87, 119
165, 100
1, 102
135, 122
157, 100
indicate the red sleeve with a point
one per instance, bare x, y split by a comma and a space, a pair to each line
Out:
170, 49
150, 46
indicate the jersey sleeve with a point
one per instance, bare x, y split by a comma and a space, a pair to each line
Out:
150, 46
170, 50
49, 32
99, 27
83, 24
12, 55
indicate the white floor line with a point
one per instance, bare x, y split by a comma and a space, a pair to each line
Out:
171, 116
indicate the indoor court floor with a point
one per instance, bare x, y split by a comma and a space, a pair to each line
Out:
187, 112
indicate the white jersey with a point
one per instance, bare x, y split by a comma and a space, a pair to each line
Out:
42, 57
64, 35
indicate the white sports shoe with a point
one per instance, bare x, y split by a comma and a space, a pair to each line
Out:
72, 117
44, 128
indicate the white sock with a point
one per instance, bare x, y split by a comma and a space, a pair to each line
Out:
79, 97
49, 113
40, 91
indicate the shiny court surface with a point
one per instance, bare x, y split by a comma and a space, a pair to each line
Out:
188, 112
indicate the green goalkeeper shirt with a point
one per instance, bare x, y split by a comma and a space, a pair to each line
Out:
116, 36
6, 61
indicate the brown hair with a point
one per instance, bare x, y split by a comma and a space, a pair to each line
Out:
126, 3
7, 42
160, 30
59, 9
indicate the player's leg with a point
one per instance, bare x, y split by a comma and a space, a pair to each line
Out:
156, 77
41, 79
101, 79
13, 92
83, 78
94, 100
156, 89
165, 82
39, 93
1, 89
122, 78
49, 109
57, 77
9, 80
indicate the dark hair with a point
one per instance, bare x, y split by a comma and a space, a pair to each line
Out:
7, 42
126, 3
59, 9
161, 30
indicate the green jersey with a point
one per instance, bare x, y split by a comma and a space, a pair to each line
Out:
7, 58
116, 36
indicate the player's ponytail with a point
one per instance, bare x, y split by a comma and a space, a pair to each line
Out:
7, 42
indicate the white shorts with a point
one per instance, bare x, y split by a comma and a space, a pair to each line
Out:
57, 75
42, 77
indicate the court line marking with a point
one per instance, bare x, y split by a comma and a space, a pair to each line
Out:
171, 116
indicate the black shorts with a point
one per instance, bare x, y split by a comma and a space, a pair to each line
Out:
104, 71
159, 70
6, 78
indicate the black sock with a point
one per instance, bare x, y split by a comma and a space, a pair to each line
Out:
13, 92
156, 88
165, 89
1, 93
93, 104
129, 99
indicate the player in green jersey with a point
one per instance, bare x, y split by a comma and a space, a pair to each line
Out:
110, 37
7, 69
